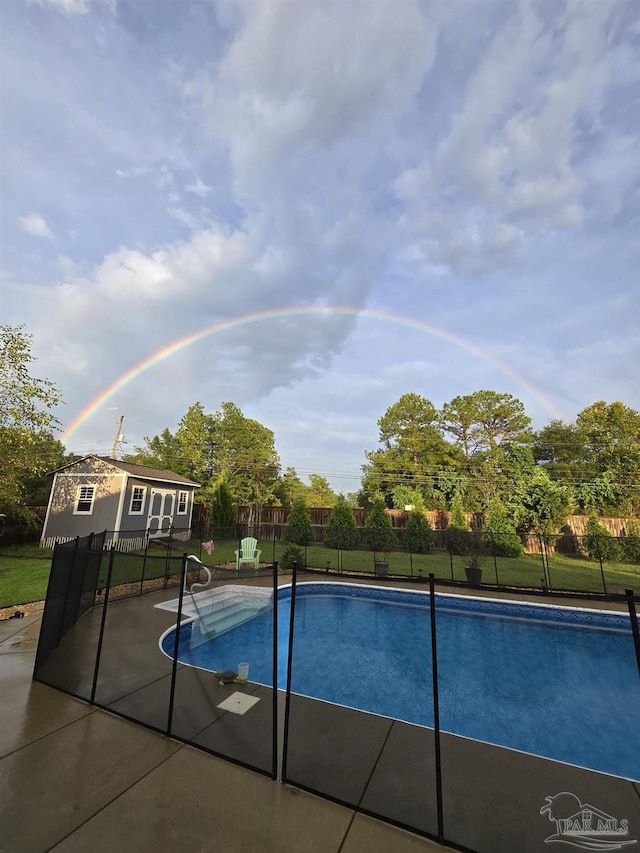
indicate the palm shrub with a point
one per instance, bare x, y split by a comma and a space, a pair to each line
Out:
459, 534
298, 528
290, 555
500, 535
630, 544
223, 512
341, 531
378, 530
599, 542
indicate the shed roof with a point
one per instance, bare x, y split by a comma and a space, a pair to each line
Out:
143, 472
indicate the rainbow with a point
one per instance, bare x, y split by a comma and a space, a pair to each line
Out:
309, 310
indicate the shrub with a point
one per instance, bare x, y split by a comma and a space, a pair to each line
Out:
419, 536
378, 531
499, 533
223, 512
341, 531
298, 528
630, 544
459, 535
290, 555
598, 541
458, 519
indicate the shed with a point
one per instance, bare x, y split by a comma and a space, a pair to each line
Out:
131, 502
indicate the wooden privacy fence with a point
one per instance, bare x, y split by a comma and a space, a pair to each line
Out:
270, 521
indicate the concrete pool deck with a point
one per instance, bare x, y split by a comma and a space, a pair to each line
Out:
75, 778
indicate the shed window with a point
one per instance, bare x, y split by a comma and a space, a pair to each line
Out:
182, 503
137, 500
84, 500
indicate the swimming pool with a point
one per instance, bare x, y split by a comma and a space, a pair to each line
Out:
556, 682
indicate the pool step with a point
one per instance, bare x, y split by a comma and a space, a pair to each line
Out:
225, 612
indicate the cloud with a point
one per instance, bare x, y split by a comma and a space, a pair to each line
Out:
35, 225
340, 74
515, 162
199, 188
73, 7
473, 170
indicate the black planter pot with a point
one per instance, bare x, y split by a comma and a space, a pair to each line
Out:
474, 575
381, 569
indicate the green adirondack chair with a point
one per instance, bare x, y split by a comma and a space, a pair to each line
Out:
248, 553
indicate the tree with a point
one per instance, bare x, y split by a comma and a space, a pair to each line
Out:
224, 446
289, 487
298, 530
485, 420
404, 496
196, 438
598, 541
412, 448
319, 492
540, 504
24, 400
161, 451
27, 447
611, 436
450, 481
378, 530
597, 496
559, 448
341, 531
223, 512
630, 544
599, 455
246, 457
26, 459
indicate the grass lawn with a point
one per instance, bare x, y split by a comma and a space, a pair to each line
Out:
24, 574
24, 569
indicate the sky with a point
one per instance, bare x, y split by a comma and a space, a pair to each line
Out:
311, 208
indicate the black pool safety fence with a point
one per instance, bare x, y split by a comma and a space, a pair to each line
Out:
560, 562
137, 656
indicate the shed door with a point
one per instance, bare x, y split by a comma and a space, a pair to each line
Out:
160, 512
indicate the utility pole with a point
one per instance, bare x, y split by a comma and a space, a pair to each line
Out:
118, 437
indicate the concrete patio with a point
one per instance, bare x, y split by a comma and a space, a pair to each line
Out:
76, 778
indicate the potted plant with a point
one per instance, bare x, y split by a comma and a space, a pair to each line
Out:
472, 558
473, 567
380, 538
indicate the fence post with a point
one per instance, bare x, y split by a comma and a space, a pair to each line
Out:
176, 645
436, 704
103, 620
493, 552
545, 565
599, 552
274, 677
634, 624
287, 701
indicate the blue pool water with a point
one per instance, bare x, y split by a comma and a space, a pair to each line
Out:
555, 682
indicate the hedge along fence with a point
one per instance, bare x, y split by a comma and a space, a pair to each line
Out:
270, 521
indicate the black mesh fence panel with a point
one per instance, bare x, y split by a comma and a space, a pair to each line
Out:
225, 697
540, 712
66, 648
360, 715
